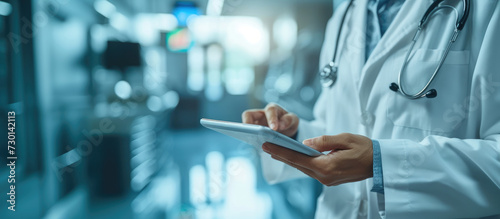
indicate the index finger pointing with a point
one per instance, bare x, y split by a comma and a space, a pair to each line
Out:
272, 115
252, 116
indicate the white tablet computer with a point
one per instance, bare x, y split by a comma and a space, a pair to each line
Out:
256, 135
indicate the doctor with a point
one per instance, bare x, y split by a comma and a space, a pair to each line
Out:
394, 155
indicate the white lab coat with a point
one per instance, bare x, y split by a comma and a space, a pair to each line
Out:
441, 156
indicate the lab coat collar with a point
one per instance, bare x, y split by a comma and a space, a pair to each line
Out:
404, 24
354, 50
398, 36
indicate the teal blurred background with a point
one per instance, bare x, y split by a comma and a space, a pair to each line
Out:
108, 95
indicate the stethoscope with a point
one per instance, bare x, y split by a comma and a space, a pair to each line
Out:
329, 73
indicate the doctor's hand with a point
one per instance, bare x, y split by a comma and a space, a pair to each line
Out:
273, 116
350, 159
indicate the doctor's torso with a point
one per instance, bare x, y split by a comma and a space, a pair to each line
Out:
361, 102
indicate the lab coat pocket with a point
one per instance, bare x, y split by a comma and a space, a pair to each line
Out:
451, 84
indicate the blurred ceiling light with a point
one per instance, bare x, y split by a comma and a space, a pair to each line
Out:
98, 38
214, 7
154, 103
271, 96
119, 21
284, 83
249, 35
170, 99
105, 8
307, 93
100, 109
215, 161
196, 65
203, 29
197, 186
151, 82
116, 109
145, 30
123, 90
215, 166
235, 33
165, 22
215, 55
214, 93
5, 9
214, 64
152, 57
285, 32
162, 185
242, 178
239, 81
160, 21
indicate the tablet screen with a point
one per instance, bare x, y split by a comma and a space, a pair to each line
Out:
257, 135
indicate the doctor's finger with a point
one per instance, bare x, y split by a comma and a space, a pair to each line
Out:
273, 114
288, 121
308, 172
292, 156
328, 142
254, 117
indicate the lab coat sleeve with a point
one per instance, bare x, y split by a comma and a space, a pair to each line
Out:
442, 177
276, 171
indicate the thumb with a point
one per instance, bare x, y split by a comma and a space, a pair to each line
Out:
325, 143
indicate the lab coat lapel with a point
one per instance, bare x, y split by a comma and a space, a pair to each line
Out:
354, 49
399, 35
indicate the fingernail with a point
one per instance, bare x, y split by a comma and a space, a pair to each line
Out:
307, 142
272, 126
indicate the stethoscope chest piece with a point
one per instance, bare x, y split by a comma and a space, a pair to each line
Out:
329, 75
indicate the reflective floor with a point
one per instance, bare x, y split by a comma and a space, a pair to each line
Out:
224, 181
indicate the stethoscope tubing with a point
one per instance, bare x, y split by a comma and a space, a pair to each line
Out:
329, 72
422, 92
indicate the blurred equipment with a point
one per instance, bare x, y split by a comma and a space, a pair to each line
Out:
120, 55
179, 40
187, 113
184, 10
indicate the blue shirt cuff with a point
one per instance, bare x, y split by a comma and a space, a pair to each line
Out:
378, 178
